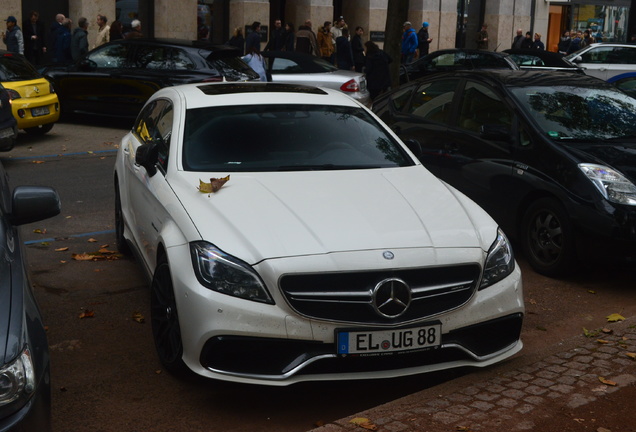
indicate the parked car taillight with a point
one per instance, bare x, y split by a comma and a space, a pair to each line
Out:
350, 86
13, 94
213, 79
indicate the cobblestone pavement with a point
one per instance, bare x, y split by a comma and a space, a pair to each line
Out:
584, 371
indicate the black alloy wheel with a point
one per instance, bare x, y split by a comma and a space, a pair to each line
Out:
548, 238
165, 320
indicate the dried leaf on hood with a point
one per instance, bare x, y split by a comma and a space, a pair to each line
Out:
214, 185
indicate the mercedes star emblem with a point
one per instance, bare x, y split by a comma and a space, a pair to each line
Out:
391, 297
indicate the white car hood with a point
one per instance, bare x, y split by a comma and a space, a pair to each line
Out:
258, 216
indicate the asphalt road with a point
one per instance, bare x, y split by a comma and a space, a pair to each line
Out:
105, 374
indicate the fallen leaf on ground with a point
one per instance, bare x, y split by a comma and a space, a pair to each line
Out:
87, 314
40, 231
607, 331
62, 249
83, 257
602, 341
38, 162
606, 381
137, 316
602, 429
92, 240
631, 356
364, 423
615, 317
589, 333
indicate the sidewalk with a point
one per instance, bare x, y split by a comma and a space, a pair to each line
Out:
587, 383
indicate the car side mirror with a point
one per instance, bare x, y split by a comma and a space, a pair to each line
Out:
87, 65
147, 156
33, 203
415, 147
495, 132
577, 59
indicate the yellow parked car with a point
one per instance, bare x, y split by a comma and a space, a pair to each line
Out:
33, 100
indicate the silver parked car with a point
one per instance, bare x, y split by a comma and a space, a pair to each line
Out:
300, 68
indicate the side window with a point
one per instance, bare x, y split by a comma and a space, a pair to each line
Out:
622, 55
179, 60
282, 65
433, 101
112, 56
154, 125
151, 57
480, 106
401, 98
597, 55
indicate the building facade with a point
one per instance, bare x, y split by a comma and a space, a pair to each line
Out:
453, 23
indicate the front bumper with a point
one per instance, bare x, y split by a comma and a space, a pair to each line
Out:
237, 340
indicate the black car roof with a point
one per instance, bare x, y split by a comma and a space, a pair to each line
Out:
524, 78
183, 43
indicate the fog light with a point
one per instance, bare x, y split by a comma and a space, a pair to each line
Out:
21, 113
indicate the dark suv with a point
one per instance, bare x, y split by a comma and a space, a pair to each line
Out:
117, 78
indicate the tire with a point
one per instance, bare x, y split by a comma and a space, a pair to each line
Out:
547, 238
39, 130
166, 331
122, 244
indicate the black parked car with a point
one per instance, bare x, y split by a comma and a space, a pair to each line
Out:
117, 78
550, 155
25, 393
454, 59
8, 124
534, 59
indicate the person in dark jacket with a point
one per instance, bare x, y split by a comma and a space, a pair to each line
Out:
423, 40
344, 54
527, 41
62, 48
289, 38
79, 40
377, 69
237, 40
357, 47
34, 38
564, 43
518, 40
13, 38
253, 39
116, 30
537, 44
276, 37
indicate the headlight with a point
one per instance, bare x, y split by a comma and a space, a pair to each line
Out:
500, 261
225, 274
613, 185
17, 379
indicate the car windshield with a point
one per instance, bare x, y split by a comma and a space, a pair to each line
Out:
580, 113
287, 138
14, 68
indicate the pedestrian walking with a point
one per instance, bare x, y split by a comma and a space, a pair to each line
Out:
376, 69
253, 39
482, 37
423, 40
344, 54
325, 43
276, 37
409, 43
103, 31
357, 47
79, 40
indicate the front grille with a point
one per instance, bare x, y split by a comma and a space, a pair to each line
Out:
348, 297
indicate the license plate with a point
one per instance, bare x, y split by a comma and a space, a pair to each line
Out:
40, 111
375, 342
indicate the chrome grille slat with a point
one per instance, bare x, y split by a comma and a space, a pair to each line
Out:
348, 297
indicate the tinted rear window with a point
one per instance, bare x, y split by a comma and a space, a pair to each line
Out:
14, 68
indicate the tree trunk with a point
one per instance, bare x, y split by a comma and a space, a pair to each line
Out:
397, 12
